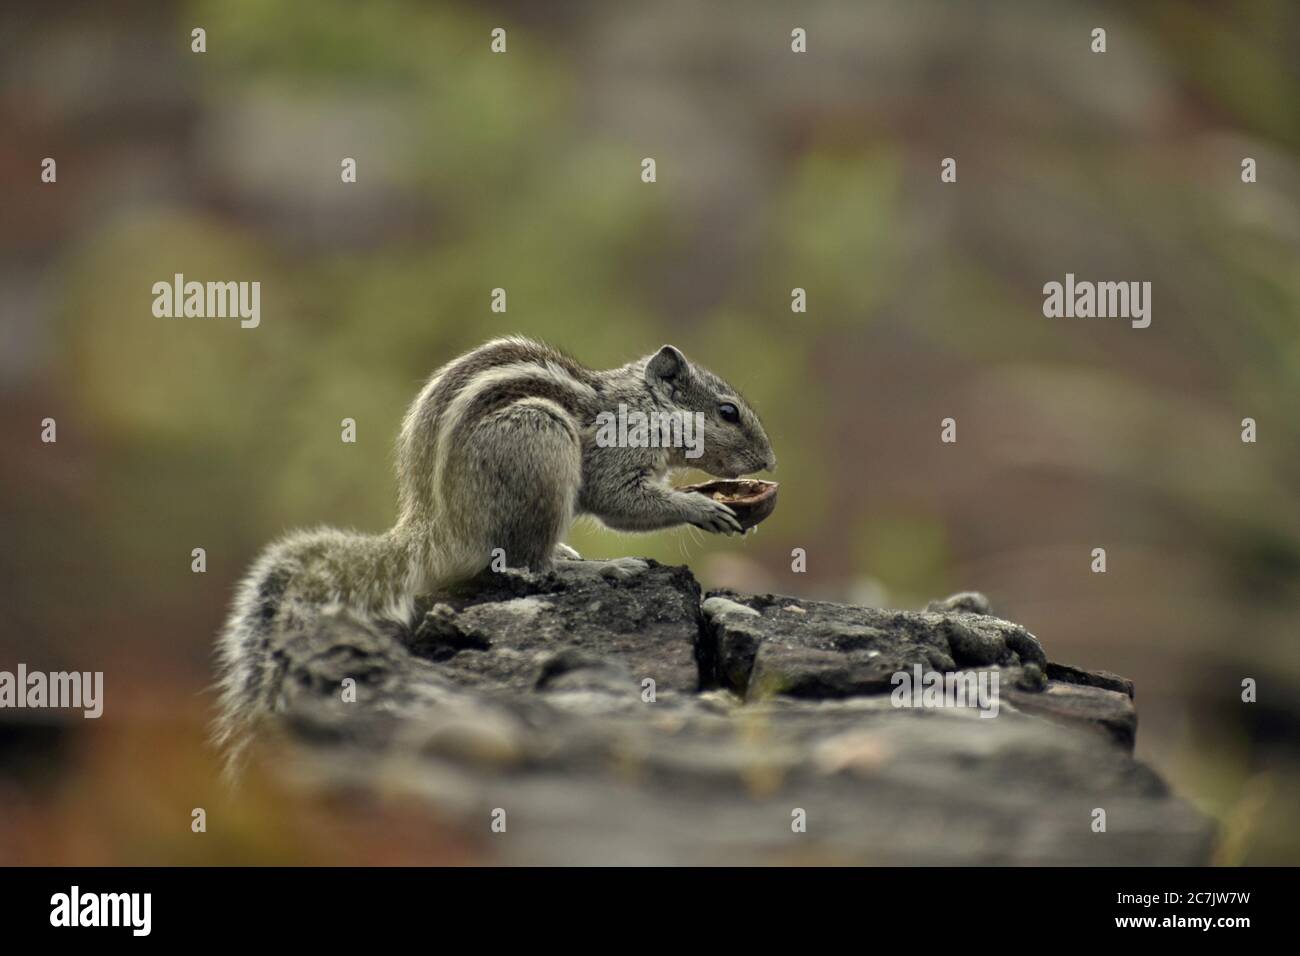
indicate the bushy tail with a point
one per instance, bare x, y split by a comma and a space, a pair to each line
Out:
245, 670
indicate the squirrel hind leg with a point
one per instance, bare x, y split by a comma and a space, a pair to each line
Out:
524, 465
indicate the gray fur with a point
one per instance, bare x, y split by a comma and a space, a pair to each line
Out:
497, 451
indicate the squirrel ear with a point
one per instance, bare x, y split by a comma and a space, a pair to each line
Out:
664, 366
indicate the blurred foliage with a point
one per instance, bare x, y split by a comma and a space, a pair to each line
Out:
521, 171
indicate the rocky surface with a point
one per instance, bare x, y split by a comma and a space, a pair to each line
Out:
616, 714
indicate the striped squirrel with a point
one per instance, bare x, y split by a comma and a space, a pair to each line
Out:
498, 451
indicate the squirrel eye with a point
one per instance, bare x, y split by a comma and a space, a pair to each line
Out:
729, 413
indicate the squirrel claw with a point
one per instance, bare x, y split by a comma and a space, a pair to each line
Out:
713, 516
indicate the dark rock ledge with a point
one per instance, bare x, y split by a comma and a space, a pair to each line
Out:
526, 692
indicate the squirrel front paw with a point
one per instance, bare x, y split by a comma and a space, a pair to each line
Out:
703, 512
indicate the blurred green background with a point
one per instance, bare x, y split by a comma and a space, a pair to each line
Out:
775, 171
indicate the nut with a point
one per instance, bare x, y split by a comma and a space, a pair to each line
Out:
750, 498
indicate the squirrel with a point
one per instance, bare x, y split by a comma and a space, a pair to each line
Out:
500, 450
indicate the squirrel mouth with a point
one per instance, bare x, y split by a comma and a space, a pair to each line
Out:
752, 499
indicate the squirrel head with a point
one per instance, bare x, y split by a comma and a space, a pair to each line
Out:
733, 442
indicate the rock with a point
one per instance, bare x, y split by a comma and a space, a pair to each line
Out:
1032, 678
617, 718
1102, 679
720, 605
837, 650
1108, 711
440, 636
638, 614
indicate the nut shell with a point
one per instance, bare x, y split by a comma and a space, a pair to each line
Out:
750, 498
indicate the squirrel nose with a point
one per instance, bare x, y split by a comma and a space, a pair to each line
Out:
771, 463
